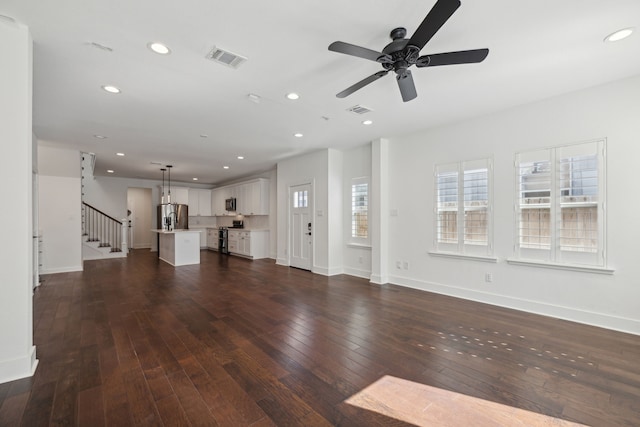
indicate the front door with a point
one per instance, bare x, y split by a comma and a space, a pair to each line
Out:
301, 231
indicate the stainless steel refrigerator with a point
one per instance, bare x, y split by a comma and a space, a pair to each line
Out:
173, 217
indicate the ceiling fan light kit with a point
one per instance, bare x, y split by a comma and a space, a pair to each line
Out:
403, 53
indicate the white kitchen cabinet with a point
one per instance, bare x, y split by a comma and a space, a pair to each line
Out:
254, 197
212, 238
203, 236
233, 239
217, 202
179, 195
199, 202
249, 243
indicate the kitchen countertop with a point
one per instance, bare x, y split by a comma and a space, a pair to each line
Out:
159, 231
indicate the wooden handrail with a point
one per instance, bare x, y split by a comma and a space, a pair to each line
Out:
102, 213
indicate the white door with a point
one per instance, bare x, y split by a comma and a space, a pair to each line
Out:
301, 226
139, 203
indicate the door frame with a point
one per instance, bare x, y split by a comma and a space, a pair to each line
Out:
311, 184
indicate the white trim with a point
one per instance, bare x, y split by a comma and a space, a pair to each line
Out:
282, 261
15, 369
558, 266
61, 270
463, 256
358, 245
622, 324
363, 274
376, 279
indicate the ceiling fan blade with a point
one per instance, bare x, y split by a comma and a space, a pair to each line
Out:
406, 85
450, 58
360, 52
435, 19
362, 83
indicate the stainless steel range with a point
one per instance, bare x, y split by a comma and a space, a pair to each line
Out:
223, 240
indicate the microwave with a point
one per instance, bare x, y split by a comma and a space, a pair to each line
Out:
230, 204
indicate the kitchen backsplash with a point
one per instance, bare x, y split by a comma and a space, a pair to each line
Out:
253, 222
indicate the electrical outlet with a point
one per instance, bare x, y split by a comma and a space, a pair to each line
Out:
398, 265
488, 277
360, 260
405, 265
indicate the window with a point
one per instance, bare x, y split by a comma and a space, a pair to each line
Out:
462, 207
560, 204
301, 199
359, 208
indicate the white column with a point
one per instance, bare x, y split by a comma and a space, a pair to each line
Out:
125, 235
379, 201
17, 353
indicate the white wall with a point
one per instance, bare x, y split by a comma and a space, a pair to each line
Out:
59, 207
335, 212
17, 352
60, 223
356, 164
611, 301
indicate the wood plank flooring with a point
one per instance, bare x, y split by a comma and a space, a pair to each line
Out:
233, 342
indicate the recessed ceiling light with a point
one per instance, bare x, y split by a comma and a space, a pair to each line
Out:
159, 48
120, 154
195, 179
619, 35
111, 89
293, 96
298, 135
225, 167
109, 171
100, 136
240, 157
367, 122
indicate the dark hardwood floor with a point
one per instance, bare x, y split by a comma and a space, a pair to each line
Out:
235, 342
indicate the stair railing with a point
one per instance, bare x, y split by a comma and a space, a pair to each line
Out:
97, 226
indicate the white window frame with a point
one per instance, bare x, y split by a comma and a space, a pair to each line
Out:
552, 254
461, 246
355, 239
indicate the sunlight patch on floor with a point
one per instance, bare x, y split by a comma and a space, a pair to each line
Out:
424, 405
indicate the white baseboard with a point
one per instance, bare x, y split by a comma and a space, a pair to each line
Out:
364, 274
70, 269
15, 369
621, 324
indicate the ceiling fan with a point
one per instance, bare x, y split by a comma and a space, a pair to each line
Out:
402, 53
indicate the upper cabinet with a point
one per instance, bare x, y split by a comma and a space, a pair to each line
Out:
199, 202
179, 195
252, 198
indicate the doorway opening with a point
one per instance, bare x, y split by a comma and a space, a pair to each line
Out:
140, 217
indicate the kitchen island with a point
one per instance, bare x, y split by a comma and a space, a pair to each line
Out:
179, 247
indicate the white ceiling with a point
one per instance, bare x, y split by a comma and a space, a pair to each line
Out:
537, 49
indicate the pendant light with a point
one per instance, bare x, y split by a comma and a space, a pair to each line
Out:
169, 196
163, 170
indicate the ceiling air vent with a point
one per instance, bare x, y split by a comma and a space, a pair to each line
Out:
359, 109
225, 57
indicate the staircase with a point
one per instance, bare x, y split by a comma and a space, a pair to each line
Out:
103, 236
